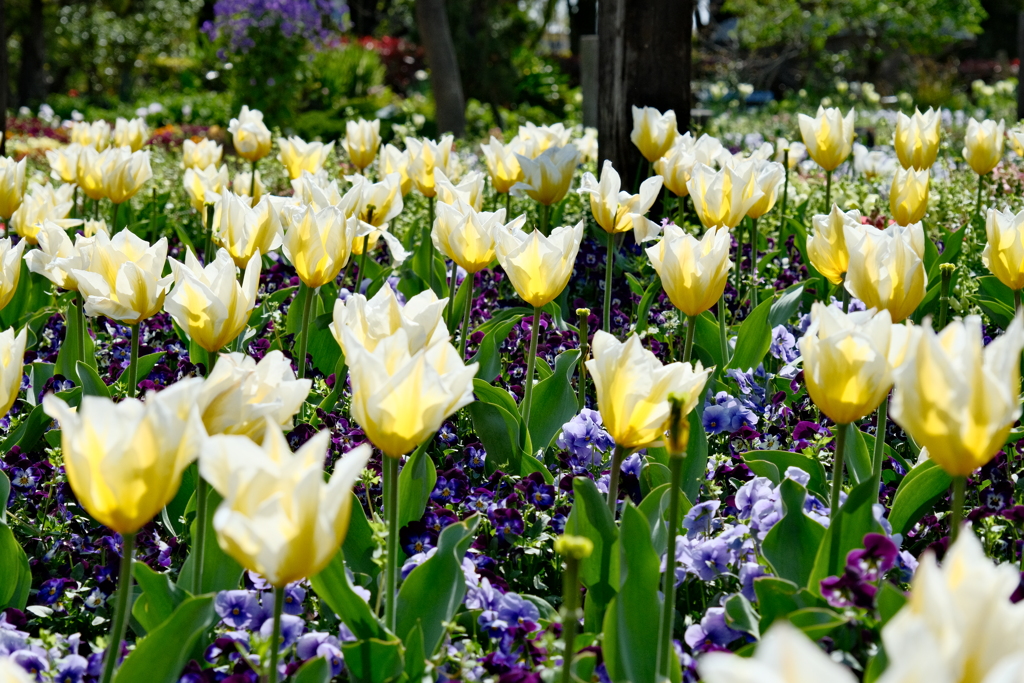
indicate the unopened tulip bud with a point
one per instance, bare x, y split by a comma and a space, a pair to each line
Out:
575, 547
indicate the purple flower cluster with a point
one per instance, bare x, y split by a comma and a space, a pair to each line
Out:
241, 21
585, 439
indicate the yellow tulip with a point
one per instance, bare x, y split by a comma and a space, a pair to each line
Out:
43, 204
424, 157
539, 266
469, 190
134, 133
917, 138
846, 361
587, 145
828, 136
502, 164
536, 140
983, 145
240, 395
250, 135
722, 198
466, 235
1004, 252
297, 155
201, 154
1017, 141
57, 257
546, 179
362, 140
399, 398
768, 176
614, 209
208, 303
12, 185
64, 162
693, 272
204, 186
873, 164
826, 245
124, 460
797, 152
371, 321
95, 134
886, 268
319, 243
10, 269
633, 387
243, 186
124, 277
958, 397
89, 172
675, 169
373, 203
125, 173
908, 196
90, 228
244, 231
279, 517
12, 358
653, 132
317, 191
394, 160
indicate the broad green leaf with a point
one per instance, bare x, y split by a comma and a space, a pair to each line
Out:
334, 588
323, 347
706, 336
740, 615
644, 308
67, 356
778, 598
923, 486
160, 597
554, 401
5, 494
792, 544
590, 517
817, 622
220, 571
488, 354
14, 570
374, 660
145, 364
415, 654
530, 464
359, 545
316, 670
90, 381
655, 508
858, 457
696, 462
855, 519
890, 601
786, 305
161, 656
653, 475
415, 483
754, 338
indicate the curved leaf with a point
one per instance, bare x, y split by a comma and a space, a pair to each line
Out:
161, 656
792, 544
917, 494
415, 484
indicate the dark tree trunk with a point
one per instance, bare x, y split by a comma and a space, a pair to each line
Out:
3, 78
32, 75
644, 61
436, 36
364, 15
1020, 66
582, 22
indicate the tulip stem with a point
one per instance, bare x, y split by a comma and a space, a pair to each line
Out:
133, 362
451, 298
80, 332
361, 274
879, 453
837, 469
957, 515
113, 219
785, 190
1016, 300
828, 191
508, 206
531, 362
753, 264
668, 581
584, 337
845, 295
252, 183
981, 188
307, 307
464, 337
199, 542
545, 218
609, 266
691, 324
618, 455
721, 329
120, 623
946, 277
74, 202
275, 634
570, 614
426, 238
391, 512
208, 249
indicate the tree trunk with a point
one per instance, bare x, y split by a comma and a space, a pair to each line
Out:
3, 78
645, 61
582, 22
32, 75
436, 36
1020, 65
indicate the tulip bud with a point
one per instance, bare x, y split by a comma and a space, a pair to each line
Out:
12, 185
124, 279
134, 133
373, 205
575, 547
693, 273
633, 387
538, 139
1004, 253
63, 163
57, 258
722, 199
125, 173
371, 321
10, 269
469, 190
1016, 141
546, 179
393, 160
539, 266
917, 139
790, 153
203, 186
245, 231
828, 137
124, 460
466, 236
297, 155
250, 135
826, 245
362, 140
502, 164
90, 228
12, 357
983, 145
653, 132
678, 427
908, 197
887, 268
614, 210
958, 397
243, 186
279, 517
95, 134
424, 157
201, 154
675, 168
319, 244
768, 177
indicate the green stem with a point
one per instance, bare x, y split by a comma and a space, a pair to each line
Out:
426, 238
837, 469
828, 191
80, 315
570, 614
785, 190
679, 211
584, 336
508, 206
618, 455
721, 329
275, 634
691, 325
531, 362
753, 263
307, 307
668, 581
199, 542
1016, 300
133, 362
846, 295
946, 277
362, 264
545, 218
252, 184
120, 623
74, 202
113, 219
957, 516
879, 453
464, 338
451, 298
208, 249
609, 266
391, 512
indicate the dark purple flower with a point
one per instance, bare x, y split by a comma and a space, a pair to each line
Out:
71, 669
712, 633
236, 608
294, 595
848, 590
507, 523
476, 456
876, 558
51, 590
514, 610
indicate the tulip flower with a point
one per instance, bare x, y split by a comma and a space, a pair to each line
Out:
316, 190
886, 268
362, 140
1016, 141
466, 236
250, 135
63, 163
983, 145
373, 205
469, 190
297, 155
10, 269
12, 357
394, 160
89, 172
244, 231
201, 154
370, 322
1004, 252
43, 204
784, 655
124, 175
502, 165
908, 196
424, 157
828, 138
90, 228
203, 186
722, 198
653, 132
675, 169
95, 134
960, 622
133, 134
826, 245
124, 279
768, 176
538, 139
632, 388
917, 138
12, 186
208, 303
546, 179
249, 184
790, 154
872, 164
240, 395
